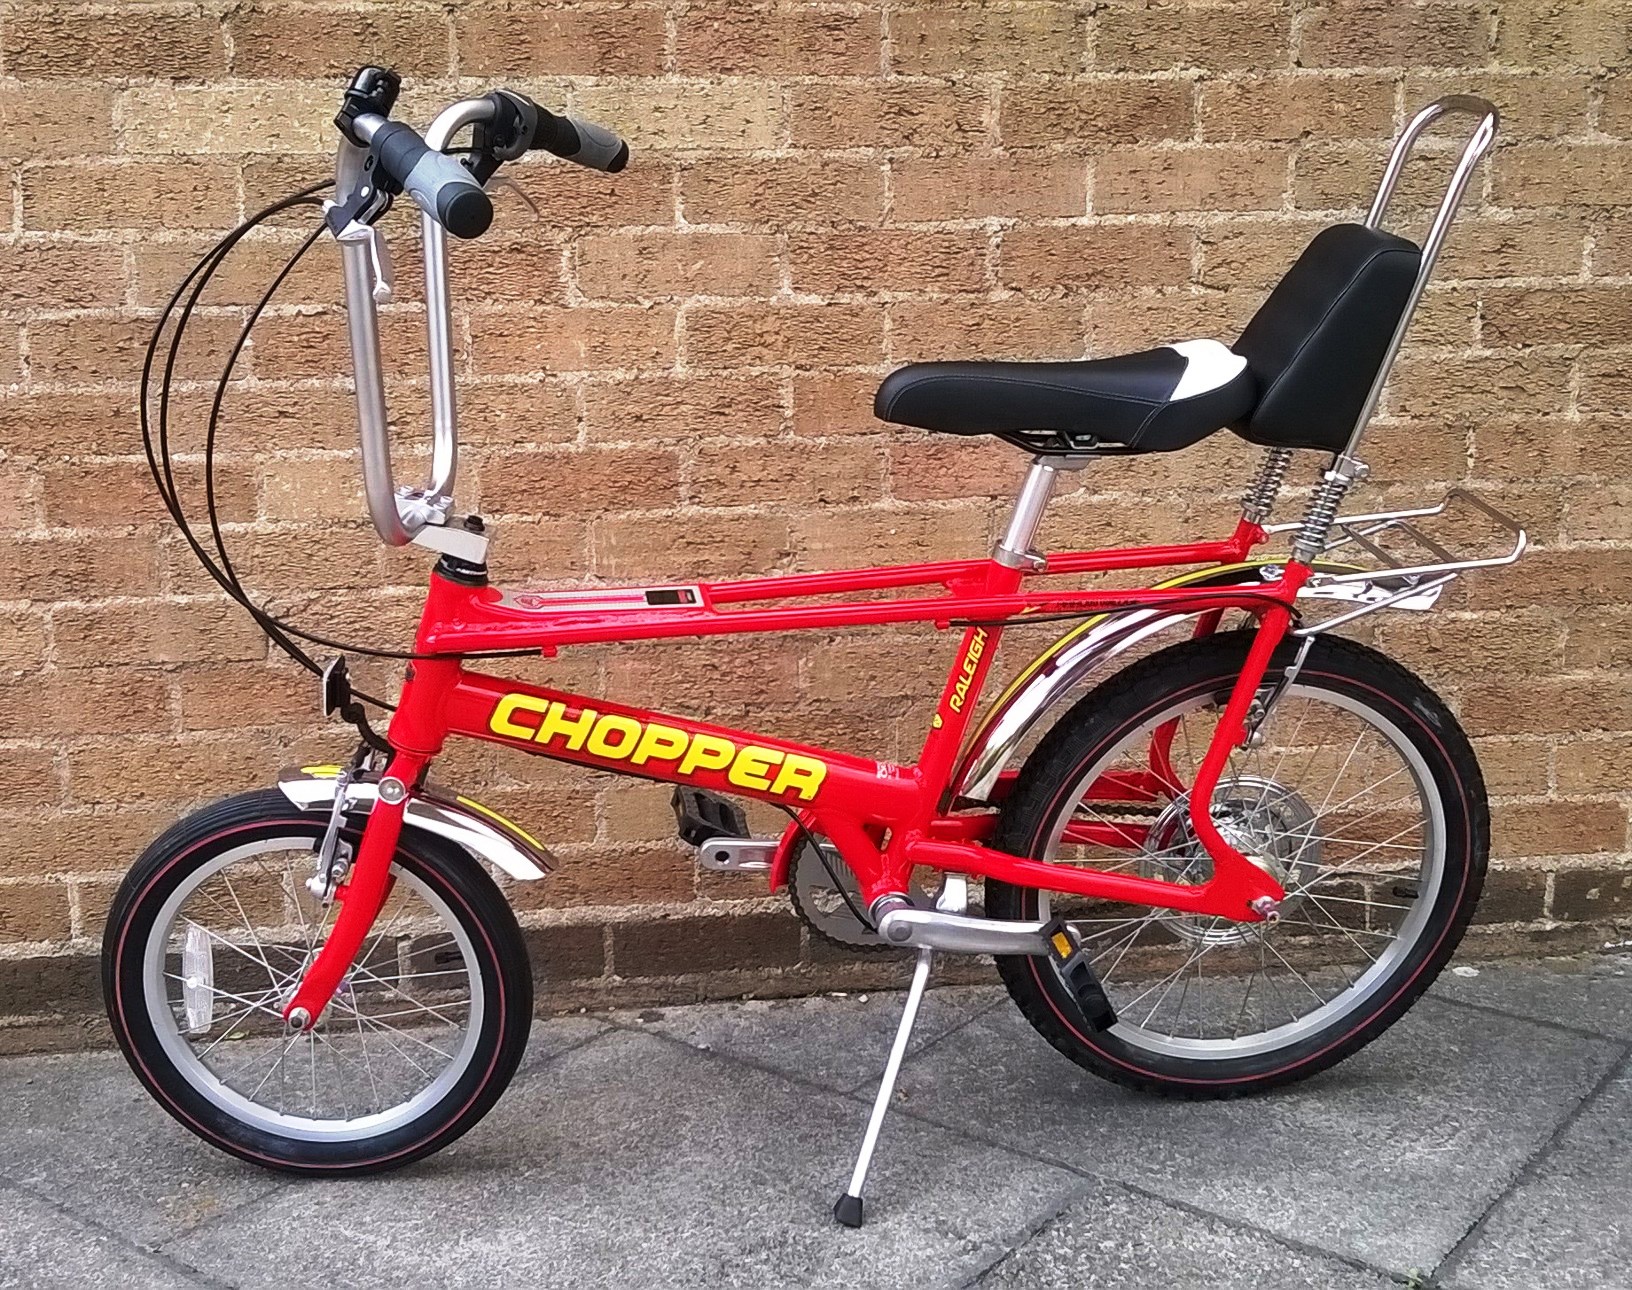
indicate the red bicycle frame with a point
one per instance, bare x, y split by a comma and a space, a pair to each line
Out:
885, 819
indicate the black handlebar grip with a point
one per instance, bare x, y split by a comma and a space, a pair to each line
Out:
584, 142
438, 184
598, 148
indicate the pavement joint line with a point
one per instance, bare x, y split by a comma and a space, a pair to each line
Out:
849, 1093
1531, 1166
1171, 1202
1582, 1032
1029, 1232
276, 1188
933, 1043
735, 1059
149, 1252
548, 1059
1277, 1238
855, 1099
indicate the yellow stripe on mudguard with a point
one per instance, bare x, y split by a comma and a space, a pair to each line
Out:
1088, 624
504, 820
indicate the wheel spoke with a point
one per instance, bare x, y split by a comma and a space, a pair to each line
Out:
1331, 799
379, 1049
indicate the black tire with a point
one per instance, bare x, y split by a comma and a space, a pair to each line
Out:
1203, 671
498, 959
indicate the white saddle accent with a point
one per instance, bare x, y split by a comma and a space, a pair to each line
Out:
1209, 365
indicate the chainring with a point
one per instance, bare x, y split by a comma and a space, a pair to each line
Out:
823, 909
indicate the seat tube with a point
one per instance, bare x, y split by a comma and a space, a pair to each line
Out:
1013, 557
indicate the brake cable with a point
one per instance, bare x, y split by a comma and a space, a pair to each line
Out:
161, 466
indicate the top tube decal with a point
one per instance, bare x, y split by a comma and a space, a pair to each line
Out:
600, 599
615, 737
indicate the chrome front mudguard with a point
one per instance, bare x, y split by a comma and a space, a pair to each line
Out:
1082, 654
484, 833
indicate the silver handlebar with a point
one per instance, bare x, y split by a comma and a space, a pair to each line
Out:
401, 513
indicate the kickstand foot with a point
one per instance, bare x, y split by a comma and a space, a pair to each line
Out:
848, 1209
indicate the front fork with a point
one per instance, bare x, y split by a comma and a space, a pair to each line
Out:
362, 895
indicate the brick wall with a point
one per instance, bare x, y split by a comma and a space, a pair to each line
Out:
671, 372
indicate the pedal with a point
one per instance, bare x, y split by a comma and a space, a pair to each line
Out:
700, 816
718, 828
1066, 952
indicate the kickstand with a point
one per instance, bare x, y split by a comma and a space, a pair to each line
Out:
848, 1208
953, 898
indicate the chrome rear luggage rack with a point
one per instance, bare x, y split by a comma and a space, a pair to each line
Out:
1401, 582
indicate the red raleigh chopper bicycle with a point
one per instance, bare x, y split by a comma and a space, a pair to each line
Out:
1221, 867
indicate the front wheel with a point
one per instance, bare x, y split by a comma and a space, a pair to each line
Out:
1360, 794
207, 941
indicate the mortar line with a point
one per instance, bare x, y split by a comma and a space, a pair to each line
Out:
1531, 1166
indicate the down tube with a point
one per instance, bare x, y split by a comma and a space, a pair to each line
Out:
633, 741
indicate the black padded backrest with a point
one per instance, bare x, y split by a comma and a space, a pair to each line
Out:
1315, 345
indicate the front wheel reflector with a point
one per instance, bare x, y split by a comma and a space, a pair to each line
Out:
198, 979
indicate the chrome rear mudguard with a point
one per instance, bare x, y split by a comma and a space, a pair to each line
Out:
1082, 654
484, 833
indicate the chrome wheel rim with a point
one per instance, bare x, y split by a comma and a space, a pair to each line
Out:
1197, 987
392, 1043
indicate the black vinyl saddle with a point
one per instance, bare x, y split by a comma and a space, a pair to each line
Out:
1296, 378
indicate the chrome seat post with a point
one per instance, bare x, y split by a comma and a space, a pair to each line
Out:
1016, 549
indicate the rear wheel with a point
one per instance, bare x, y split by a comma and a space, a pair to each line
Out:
209, 937
1362, 796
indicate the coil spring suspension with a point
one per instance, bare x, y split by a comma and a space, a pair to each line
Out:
1260, 496
1310, 543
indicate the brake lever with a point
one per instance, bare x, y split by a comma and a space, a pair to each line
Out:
504, 181
381, 269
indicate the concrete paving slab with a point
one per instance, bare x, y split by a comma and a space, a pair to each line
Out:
81, 1130
638, 1161
1590, 994
1388, 1159
1113, 1239
556, 1035
630, 1155
1569, 1223
44, 1248
838, 1041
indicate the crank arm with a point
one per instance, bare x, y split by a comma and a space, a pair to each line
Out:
962, 934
